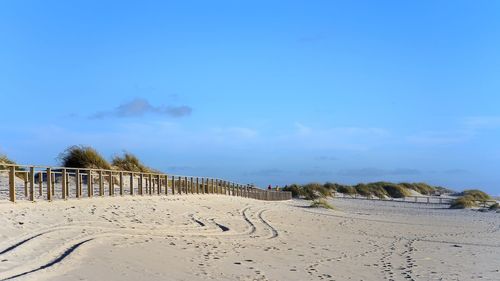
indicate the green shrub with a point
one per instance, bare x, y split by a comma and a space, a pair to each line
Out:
346, 189
421, 188
129, 162
321, 203
331, 186
394, 190
476, 194
363, 190
295, 189
464, 202
83, 157
314, 191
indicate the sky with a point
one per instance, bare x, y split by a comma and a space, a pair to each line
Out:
263, 92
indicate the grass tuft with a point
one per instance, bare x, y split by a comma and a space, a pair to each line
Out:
464, 202
83, 157
476, 194
5, 160
321, 203
129, 162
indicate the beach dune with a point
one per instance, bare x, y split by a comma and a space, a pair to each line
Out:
216, 237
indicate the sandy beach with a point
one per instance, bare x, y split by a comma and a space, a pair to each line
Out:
216, 237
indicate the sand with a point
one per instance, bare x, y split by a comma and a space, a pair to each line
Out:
216, 237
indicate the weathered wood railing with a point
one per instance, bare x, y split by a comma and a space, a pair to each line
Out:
413, 199
33, 183
408, 199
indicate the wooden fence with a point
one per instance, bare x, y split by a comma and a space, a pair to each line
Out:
414, 199
408, 199
49, 183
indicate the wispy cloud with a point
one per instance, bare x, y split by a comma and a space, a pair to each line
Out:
139, 107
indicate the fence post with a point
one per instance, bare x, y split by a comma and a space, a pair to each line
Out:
158, 186
173, 185
111, 185
49, 176
141, 178
12, 183
179, 185
25, 184
32, 183
166, 184
40, 183
149, 186
197, 185
121, 183
191, 185
90, 184
131, 183
101, 184
63, 184
77, 180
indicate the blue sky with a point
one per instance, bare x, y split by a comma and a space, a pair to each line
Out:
265, 92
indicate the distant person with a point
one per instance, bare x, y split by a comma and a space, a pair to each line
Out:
269, 187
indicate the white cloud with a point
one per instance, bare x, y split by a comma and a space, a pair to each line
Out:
139, 107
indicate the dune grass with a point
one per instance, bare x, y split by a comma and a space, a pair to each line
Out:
421, 188
321, 203
78, 156
371, 190
5, 160
464, 202
469, 199
129, 162
476, 194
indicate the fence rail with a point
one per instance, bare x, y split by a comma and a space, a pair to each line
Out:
413, 199
34, 183
408, 199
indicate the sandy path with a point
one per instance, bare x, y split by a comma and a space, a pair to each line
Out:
200, 237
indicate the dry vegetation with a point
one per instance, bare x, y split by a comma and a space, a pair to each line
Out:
5, 160
129, 162
377, 189
470, 199
321, 203
79, 156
